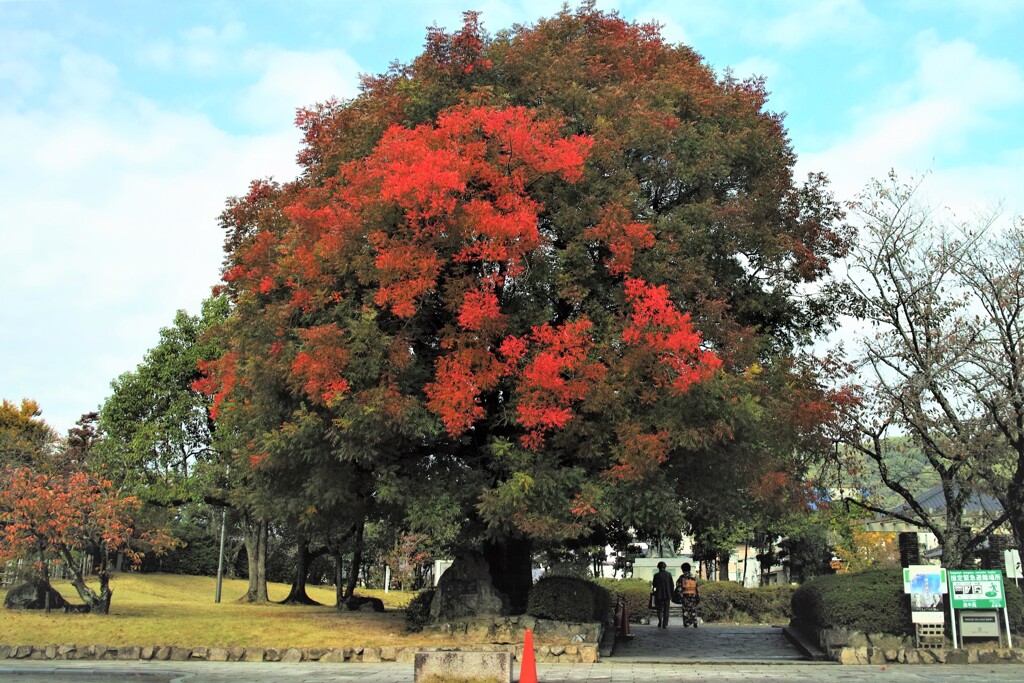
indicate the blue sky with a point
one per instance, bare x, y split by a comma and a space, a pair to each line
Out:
126, 124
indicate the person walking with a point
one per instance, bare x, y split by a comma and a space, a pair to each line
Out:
686, 588
661, 587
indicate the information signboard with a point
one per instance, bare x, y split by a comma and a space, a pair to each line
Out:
976, 589
925, 584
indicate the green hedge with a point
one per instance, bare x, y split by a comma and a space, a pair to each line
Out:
566, 598
873, 602
870, 602
635, 592
728, 601
417, 612
1014, 605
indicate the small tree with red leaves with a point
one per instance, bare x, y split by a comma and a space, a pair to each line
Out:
63, 515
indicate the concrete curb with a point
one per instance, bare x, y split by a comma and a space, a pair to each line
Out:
809, 650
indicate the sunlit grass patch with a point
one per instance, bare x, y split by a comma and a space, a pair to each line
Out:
166, 609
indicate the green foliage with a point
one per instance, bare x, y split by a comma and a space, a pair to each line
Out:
728, 601
565, 598
603, 602
417, 612
198, 550
634, 592
1014, 605
870, 602
157, 428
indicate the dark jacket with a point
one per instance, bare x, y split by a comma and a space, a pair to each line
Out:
663, 585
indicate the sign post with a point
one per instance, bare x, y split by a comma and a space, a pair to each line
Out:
977, 590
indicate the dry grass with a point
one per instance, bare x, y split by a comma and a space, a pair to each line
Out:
166, 609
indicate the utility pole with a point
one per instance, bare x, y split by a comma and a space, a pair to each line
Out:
220, 560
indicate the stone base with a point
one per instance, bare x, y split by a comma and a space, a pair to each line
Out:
876, 655
445, 665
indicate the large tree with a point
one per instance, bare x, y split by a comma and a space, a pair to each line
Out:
537, 270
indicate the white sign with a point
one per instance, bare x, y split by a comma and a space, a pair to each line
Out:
1011, 558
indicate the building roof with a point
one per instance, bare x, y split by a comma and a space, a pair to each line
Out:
934, 499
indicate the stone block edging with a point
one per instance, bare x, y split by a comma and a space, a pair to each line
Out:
877, 655
550, 654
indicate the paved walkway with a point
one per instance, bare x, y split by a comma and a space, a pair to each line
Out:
605, 672
709, 643
713, 652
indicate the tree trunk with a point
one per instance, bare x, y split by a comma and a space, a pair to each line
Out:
1014, 505
254, 535
511, 565
357, 562
95, 603
723, 565
303, 559
339, 590
46, 581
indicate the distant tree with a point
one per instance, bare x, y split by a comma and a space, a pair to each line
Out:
25, 438
938, 382
157, 428
866, 549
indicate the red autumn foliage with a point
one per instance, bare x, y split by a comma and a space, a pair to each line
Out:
55, 513
320, 364
658, 325
546, 239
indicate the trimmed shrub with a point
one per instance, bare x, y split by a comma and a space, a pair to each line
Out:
728, 601
635, 592
870, 602
563, 598
603, 603
1014, 605
417, 612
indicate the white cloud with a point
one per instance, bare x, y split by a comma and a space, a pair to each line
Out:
201, 50
291, 80
757, 66
671, 29
108, 217
928, 121
846, 19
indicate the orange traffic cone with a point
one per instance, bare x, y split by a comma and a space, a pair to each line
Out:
528, 668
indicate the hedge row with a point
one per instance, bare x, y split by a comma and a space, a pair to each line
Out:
636, 593
567, 598
872, 601
728, 601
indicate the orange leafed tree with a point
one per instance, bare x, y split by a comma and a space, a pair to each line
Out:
58, 516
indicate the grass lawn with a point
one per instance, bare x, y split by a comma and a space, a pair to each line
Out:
170, 609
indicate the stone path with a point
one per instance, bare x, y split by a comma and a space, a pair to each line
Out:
709, 643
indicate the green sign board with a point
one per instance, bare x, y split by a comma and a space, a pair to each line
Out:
976, 589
